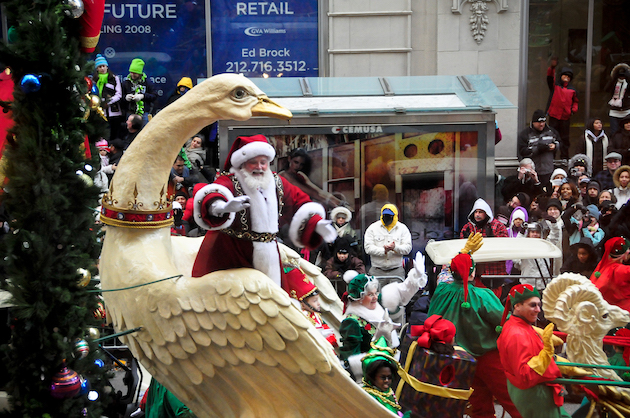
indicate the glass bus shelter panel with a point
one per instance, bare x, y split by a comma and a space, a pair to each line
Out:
427, 208
611, 46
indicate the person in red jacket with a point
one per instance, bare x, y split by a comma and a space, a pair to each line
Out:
527, 359
563, 102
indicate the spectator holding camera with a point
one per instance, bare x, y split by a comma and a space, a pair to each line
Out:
524, 181
580, 222
539, 142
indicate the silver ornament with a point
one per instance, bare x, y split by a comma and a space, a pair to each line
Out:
76, 8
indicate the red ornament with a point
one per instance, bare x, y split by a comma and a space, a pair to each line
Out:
65, 384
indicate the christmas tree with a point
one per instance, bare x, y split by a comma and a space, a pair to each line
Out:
51, 199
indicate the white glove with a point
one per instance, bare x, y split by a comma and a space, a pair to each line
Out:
129, 97
418, 264
387, 328
416, 278
237, 204
138, 97
325, 229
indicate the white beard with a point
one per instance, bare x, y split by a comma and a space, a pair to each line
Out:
263, 218
255, 182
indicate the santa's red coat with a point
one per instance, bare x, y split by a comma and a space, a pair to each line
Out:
220, 251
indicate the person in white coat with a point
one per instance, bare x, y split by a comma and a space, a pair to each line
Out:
387, 241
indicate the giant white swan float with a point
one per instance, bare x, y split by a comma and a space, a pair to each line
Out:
230, 343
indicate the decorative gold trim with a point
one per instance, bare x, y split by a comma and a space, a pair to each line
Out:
137, 225
89, 41
164, 205
250, 235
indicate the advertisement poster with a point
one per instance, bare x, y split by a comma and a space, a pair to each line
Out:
260, 39
170, 36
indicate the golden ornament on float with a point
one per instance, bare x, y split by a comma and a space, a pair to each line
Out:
86, 276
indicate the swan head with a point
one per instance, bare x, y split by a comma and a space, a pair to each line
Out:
240, 99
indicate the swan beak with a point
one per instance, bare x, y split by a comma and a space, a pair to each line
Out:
266, 107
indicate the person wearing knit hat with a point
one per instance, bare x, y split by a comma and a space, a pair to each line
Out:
249, 239
182, 88
528, 360
342, 260
579, 164
592, 193
539, 142
476, 313
612, 275
110, 92
306, 294
379, 367
137, 91
621, 178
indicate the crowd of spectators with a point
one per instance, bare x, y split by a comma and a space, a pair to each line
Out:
129, 103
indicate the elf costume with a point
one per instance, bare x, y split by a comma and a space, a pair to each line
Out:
359, 325
379, 352
300, 288
529, 363
476, 313
611, 276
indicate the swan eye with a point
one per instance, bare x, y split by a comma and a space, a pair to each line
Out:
605, 315
239, 93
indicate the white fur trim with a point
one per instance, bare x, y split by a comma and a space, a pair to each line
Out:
267, 259
356, 365
251, 150
373, 316
198, 199
349, 275
303, 214
340, 209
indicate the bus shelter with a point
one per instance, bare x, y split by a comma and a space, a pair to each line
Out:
425, 143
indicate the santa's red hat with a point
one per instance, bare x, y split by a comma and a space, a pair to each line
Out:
245, 148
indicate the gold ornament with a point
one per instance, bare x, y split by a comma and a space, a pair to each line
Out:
95, 104
86, 276
95, 101
94, 333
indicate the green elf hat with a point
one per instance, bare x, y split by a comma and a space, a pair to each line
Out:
379, 351
356, 283
518, 294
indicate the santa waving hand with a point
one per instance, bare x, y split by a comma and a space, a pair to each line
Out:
244, 208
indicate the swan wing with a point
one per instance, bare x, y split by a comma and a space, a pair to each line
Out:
231, 344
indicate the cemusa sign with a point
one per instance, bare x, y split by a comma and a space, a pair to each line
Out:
357, 129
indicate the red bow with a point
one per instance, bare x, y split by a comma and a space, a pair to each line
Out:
435, 328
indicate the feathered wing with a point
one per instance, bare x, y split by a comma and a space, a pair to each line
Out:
231, 344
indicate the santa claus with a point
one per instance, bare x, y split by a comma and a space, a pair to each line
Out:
244, 208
